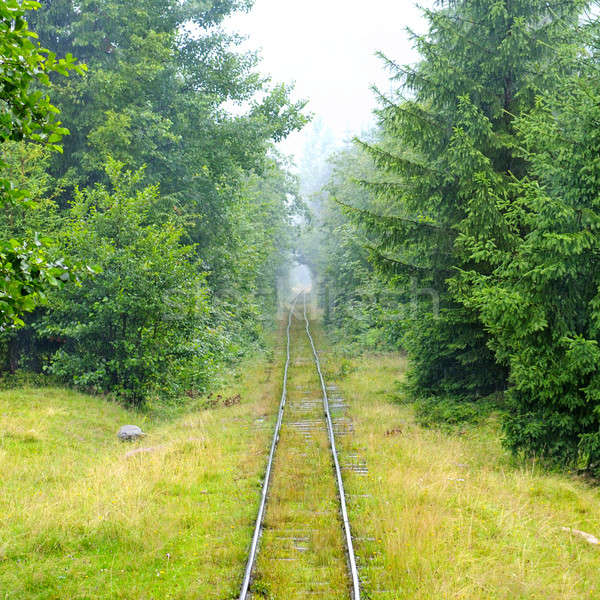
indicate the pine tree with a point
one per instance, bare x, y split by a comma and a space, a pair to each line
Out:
540, 301
478, 57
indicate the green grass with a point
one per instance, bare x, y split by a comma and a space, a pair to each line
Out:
442, 514
79, 519
451, 515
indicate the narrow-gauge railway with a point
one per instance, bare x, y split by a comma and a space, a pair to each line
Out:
302, 543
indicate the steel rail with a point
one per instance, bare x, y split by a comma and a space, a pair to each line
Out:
265, 489
338, 471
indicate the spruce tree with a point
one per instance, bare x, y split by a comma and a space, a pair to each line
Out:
540, 301
479, 56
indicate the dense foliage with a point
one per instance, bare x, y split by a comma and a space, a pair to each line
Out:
361, 307
26, 271
168, 196
162, 74
137, 323
483, 212
540, 301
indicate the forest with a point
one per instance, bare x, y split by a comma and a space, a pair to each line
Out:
464, 229
149, 223
144, 224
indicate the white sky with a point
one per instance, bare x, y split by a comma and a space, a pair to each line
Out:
326, 47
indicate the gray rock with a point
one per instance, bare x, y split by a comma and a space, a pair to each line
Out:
130, 432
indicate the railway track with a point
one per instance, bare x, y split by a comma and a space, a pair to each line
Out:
302, 523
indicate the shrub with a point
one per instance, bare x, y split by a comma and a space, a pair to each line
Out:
136, 325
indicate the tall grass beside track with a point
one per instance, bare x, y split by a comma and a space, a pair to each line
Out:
80, 519
452, 515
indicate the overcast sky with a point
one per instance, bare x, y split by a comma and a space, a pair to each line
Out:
326, 47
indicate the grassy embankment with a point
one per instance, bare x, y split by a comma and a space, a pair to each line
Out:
80, 519
452, 515
439, 515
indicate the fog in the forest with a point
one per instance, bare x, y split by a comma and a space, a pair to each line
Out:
300, 278
328, 50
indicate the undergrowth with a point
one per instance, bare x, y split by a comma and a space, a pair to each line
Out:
449, 412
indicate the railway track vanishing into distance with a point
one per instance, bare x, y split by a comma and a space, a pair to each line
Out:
290, 513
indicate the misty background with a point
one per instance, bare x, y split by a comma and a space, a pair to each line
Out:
327, 49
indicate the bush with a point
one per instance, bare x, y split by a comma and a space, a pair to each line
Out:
448, 412
136, 325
